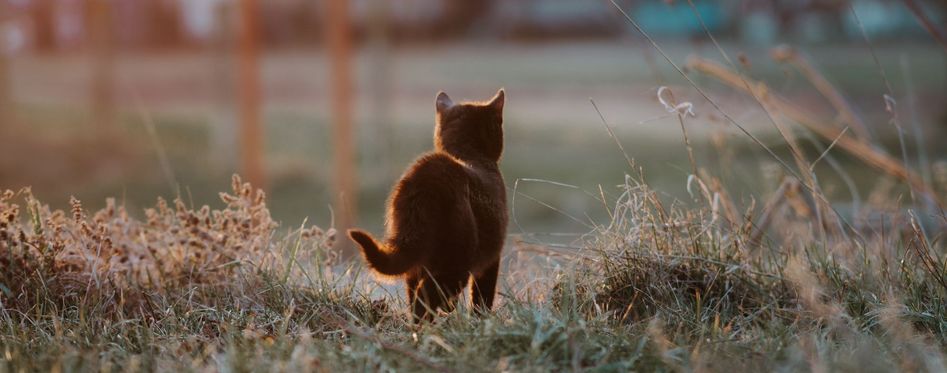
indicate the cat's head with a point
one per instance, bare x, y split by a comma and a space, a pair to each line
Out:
470, 130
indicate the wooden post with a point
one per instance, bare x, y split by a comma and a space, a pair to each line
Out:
251, 132
340, 63
44, 24
103, 65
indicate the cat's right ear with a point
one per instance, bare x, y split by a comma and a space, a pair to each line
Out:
443, 102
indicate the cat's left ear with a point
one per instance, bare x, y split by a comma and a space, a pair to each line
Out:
497, 101
442, 102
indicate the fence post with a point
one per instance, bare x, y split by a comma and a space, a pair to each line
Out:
251, 132
340, 63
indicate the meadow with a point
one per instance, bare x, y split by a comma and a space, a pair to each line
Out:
764, 232
656, 287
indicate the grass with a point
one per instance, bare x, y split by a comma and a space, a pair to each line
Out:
723, 264
656, 287
705, 278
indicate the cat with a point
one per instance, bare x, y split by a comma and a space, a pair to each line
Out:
446, 218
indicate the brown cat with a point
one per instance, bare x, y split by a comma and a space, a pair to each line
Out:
447, 216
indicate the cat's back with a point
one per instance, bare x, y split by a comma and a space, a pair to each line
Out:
488, 204
434, 177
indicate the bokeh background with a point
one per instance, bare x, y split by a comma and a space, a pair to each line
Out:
325, 102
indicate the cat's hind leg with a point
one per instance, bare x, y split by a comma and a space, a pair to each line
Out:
483, 288
437, 292
412, 285
411, 282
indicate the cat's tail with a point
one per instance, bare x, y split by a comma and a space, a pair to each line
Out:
388, 262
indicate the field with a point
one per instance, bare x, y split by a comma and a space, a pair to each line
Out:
553, 131
656, 288
642, 239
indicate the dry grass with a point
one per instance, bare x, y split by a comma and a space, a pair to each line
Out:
772, 283
69, 254
657, 287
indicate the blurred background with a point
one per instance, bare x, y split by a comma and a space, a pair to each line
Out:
324, 103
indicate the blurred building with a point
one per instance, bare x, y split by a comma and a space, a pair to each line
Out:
555, 18
62, 24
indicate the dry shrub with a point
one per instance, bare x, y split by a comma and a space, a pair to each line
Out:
681, 262
696, 270
639, 286
69, 256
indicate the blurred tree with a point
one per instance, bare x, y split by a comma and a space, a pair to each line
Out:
460, 15
307, 22
251, 132
339, 34
165, 26
787, 14
44, 24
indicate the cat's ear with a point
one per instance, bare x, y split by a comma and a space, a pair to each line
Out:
497, 101
442, 102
